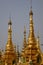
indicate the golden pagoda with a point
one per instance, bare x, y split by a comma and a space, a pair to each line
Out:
32, 52
9, 55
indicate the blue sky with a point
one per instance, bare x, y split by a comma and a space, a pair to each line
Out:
19, 10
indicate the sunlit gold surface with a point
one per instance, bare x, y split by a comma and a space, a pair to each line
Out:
9, 55
30, 50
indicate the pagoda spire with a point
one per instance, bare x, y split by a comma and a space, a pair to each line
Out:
31, 30
10, 54
24, 37
9, 45
9, 29
38, 43
31, 37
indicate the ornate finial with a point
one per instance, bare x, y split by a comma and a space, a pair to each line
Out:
38, 34
31, 13
31, 4
10, 16
9, 28
38, 42
10, 23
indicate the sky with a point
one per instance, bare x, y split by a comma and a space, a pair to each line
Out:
19, 10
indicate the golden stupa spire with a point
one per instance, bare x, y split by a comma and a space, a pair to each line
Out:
31, 37
10, 54
9, 29
38, 43
31, 30
24, 43
24, 37
9, 45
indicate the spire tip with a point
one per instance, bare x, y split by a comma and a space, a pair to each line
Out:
10, 23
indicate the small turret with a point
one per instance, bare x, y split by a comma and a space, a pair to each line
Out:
9, 45
38, 44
